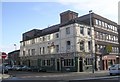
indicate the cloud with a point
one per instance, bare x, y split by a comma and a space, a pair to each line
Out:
105, 8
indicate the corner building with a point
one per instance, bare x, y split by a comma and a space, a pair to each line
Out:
67, 46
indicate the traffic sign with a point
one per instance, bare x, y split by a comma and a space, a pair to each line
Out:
4, 55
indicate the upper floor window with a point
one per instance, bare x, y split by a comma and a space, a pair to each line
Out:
89, 31
68, 30
103, 24
57, 48
29, 52
82, 30
48, 37
89, 45
40, 50
82, 45
68, 45
33, 41
23, 43
23, 53
43, 50
106, 25
100, 23
43, 38
115, 29
96, 21
33, 51
57, 35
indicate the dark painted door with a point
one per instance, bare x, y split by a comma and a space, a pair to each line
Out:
81, 65
58, 65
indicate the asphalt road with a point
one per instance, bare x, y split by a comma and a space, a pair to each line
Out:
20, 76
114, 79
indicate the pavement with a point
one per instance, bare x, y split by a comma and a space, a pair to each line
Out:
4, 76
54, 76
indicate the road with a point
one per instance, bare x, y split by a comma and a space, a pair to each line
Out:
113, 79
21, 76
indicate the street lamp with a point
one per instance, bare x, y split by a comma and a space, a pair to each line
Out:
90, 12
15, 46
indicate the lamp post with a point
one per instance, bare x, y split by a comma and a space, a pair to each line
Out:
90, 12
15, 46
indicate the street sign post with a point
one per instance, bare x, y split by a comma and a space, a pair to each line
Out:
3, 58
4, 55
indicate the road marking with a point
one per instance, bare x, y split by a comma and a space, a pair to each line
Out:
108, 77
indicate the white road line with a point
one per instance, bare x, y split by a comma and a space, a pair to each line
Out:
91, 78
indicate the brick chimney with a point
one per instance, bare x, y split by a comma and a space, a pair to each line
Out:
67, 16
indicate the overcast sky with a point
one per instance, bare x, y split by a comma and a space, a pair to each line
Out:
18, 17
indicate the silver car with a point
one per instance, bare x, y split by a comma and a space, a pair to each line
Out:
114, 69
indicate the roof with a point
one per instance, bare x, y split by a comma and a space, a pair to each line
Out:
16, 51
81, 20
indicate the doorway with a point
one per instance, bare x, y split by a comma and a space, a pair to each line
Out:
81, 64
58, 65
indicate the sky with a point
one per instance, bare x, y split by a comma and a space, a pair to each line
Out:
19, 16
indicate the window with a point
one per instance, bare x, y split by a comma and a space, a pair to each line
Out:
107, 37
68, 62
68, 30
46, 62
43, 38
106, 25
96, 21
82, 45
57, 48
23, 53
115, 29
82, 30
43, 62
43, 50
103, 36
89, 31
29, 52
48, 37
100, 23
40, 39
88, 61
68, 45
40, 50
33, 41
89, 42
57, 35
103, 24
23, 43
33, 51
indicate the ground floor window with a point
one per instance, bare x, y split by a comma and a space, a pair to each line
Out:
48, 62
88, 61
33, 63
68, 62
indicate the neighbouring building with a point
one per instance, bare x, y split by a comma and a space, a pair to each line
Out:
106, 36
13, 57
72, 45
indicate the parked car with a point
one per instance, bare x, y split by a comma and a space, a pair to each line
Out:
17, 67
3, 69
9, 67
38, 69
114, 69
26, 68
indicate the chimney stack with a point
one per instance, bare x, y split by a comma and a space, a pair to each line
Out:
67, 16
